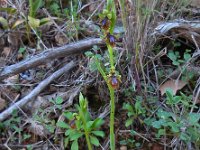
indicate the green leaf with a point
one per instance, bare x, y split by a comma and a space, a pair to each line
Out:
59, 106
34, 6
98, 133
123, 142
174, 126
176, 99
128, 107
170, 94
130, 113
177, 44
26, 136
75, 136
74, 145
68, 115
66, 142
89, 54
99, 57
97, 123
17, 129
62, 124
175, 63
82, 101
59, 100
51, 128
186, 56
160, 132
92, 65
89, 125
193, 118
9, 10
44, 21
94, 141
158, 124
69, 132
22, 50
148, 121
4, 23
172, 56
138, 107
33, 22
184, 137
129, 122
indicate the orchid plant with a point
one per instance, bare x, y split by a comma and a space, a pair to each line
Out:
112, 78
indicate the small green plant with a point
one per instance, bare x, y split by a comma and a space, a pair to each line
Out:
134, 111
57, 102
13, 125
178, 122
44, 116
80, 124
181, 62
175, 57
131, 142
54, 7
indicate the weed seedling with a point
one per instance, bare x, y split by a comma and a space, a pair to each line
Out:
178, 122
81, 125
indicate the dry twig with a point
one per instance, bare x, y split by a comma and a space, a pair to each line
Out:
36, 91
49, 55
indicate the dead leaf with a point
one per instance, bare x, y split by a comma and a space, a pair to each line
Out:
6, 51
13, 79
17, 23
13, 39
123, 147
2, 62
196, 101
2, 41
157, 147
2, 103
3, 3
61, 39
37, 129
195, 3
175, 85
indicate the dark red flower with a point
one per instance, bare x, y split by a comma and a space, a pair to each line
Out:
114, 80
111, 39
72, 123
105, 23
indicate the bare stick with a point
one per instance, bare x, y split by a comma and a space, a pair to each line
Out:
49, 55
36, 91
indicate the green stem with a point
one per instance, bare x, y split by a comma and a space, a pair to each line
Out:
88, 140
112, 118
110, 50
109, 4
100, 69
112, 105
86, 131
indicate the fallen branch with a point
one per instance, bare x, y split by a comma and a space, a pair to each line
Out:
180, 28
49, 55
36, 91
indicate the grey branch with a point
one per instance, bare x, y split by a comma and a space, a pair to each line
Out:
49, 55
36, 91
